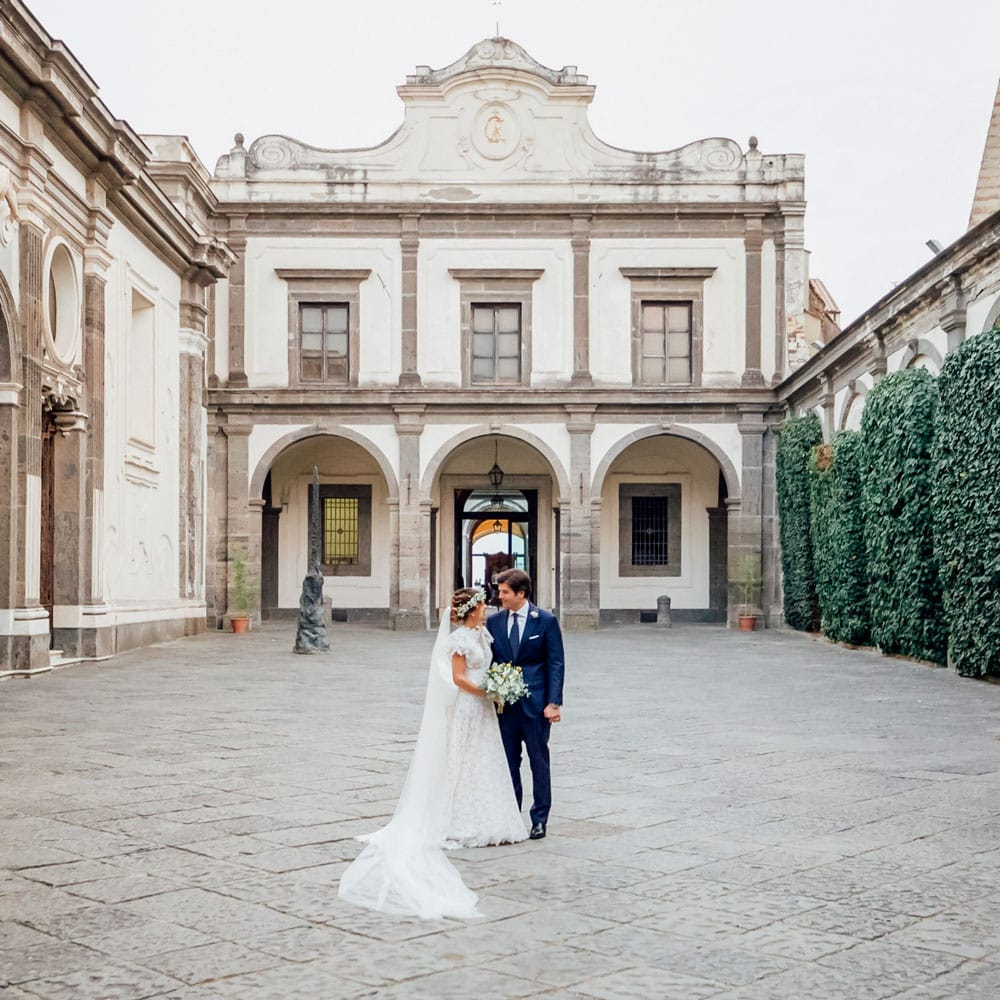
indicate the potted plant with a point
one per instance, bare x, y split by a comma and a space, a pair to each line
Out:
747, 587
243, 594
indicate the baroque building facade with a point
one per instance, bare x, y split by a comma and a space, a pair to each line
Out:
105, 262
494, 290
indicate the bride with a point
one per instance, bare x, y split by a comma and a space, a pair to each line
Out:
457, 791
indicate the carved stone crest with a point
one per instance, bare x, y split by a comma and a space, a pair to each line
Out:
496, 130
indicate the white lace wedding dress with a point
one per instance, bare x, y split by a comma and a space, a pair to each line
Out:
457, 793
481, 802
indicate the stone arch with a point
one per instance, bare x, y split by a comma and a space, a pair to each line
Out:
920, 347
859, 392
725, 463
441, 455
302, 434
992, 317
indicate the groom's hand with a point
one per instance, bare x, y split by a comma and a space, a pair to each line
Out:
552, 713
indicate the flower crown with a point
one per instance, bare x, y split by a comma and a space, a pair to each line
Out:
477, 598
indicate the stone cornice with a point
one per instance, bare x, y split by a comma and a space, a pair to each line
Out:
871, 333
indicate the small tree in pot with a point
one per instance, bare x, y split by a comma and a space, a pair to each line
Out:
243, 594
747, 583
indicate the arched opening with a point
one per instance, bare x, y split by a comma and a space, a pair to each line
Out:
355, 532
664, 529
494, 504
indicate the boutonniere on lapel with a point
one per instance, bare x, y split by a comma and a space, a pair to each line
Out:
533, 614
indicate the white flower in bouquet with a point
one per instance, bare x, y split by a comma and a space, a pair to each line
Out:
504, 683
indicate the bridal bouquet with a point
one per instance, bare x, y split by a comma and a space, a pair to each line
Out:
504, 683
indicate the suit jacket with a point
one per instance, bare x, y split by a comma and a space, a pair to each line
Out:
539, 655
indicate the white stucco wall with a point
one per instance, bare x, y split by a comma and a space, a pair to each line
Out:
611, 303
267, 319
439, 320
141, 517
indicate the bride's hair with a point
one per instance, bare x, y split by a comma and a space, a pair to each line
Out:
464, 602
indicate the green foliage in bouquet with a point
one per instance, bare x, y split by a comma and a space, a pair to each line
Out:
967, 503
838, 539
798, 436
897, 432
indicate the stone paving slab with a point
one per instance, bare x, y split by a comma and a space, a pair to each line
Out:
735, 817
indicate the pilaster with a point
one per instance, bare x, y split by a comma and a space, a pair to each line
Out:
409, 245
580, 559
580, 243
237, 240
746, 512
753, 242
410, 588
30, 642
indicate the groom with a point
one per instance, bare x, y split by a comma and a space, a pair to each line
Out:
527, 636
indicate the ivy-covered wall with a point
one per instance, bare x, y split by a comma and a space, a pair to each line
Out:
838, 540
966, 491
798, 436
897, 431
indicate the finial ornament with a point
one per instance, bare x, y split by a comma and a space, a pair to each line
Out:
753, 142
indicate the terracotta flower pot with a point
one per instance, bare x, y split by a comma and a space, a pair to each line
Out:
241, 623
747, 623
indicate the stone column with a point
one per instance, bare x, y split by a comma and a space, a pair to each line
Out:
243, 525
780, 322
772, 599
718, 571
191, 437
10, 394
237, 240
409, 245
581, 301
97, 631
30, 645
752, 375
216, 525
412, 540
746, 511
579, 605
953, 313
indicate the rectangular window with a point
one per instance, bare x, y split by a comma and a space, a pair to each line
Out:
345, 529
650, 545
340, 531
496, 343
665, 343
649, 529
324, 342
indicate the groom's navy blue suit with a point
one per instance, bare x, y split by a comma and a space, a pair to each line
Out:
540, 657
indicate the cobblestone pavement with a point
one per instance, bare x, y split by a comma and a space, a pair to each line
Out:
753, 817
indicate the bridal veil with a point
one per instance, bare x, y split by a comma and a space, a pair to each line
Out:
402, 868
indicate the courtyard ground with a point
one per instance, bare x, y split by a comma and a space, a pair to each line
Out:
735, 816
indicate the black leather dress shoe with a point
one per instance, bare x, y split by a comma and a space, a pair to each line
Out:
537, 831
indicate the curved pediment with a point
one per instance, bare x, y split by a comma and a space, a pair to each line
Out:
497, 125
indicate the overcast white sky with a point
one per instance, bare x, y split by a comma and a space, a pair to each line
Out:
888, 100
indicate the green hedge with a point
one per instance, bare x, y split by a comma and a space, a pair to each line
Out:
897, 429
798, 437
838, 539
967, 503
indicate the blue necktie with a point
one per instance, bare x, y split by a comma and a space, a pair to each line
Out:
515, 635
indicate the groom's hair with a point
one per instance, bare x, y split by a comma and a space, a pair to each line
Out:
516, 579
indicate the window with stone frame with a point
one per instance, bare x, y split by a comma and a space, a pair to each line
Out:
324, 342
324, 329
665, 343
667, 324
496, 324
649, 533
345, 529
496, 343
